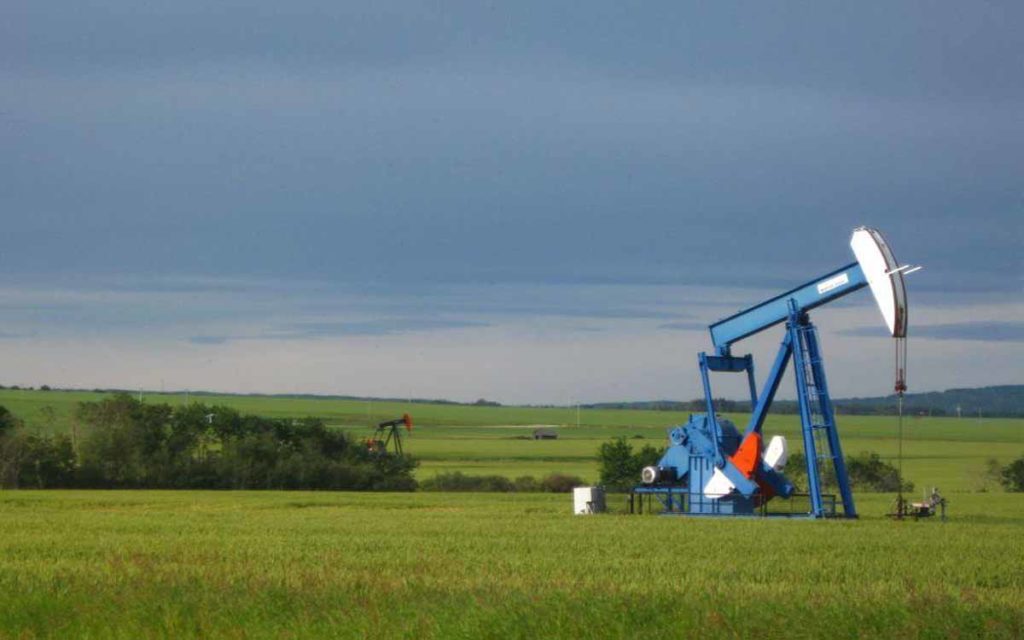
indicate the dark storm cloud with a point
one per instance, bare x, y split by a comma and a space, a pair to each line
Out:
932, 49
616, 143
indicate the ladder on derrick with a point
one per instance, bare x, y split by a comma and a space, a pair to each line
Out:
817, 416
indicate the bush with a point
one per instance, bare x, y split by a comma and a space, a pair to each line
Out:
867, 472
8, 423
620, 466
46, 462
1012, 475
526, 484
10, 449
457, 481
560, 483
33, 461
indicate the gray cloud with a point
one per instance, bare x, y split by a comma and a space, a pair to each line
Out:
386, 145
987, 331
208, 339
314, 330
380, 327
684, 326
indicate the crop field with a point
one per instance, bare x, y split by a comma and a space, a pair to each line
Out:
223, 564
137, 564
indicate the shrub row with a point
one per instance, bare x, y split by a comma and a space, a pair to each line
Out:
457, 481
132, 445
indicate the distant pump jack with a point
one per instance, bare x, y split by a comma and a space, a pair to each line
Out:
388, 435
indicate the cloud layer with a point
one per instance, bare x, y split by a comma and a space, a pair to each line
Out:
215, 175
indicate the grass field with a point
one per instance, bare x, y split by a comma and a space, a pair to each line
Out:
253, 565
250, 564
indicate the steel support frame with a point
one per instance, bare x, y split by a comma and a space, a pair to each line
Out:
388, 433
732, 364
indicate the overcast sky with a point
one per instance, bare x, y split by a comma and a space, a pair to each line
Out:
528, 202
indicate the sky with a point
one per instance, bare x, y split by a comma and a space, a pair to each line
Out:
528, 202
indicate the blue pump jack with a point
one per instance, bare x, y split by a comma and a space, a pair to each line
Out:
710, 468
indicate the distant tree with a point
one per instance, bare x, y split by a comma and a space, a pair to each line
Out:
867, 472
49, 416
615, 459
619, 466
526, 484
131, 444
46, 462
10, 448
990, 475
560, 483
7, 421
45, 387
1012, 476
458, 481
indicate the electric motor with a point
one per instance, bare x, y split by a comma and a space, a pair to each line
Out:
650, 475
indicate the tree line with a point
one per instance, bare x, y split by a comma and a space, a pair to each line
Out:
1005, 401
128, 444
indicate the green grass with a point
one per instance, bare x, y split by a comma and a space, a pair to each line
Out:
254, 565
427, 565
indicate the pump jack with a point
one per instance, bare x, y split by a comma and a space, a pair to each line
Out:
388, 434
709, 468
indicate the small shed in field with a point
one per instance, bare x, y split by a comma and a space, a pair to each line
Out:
545, 433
